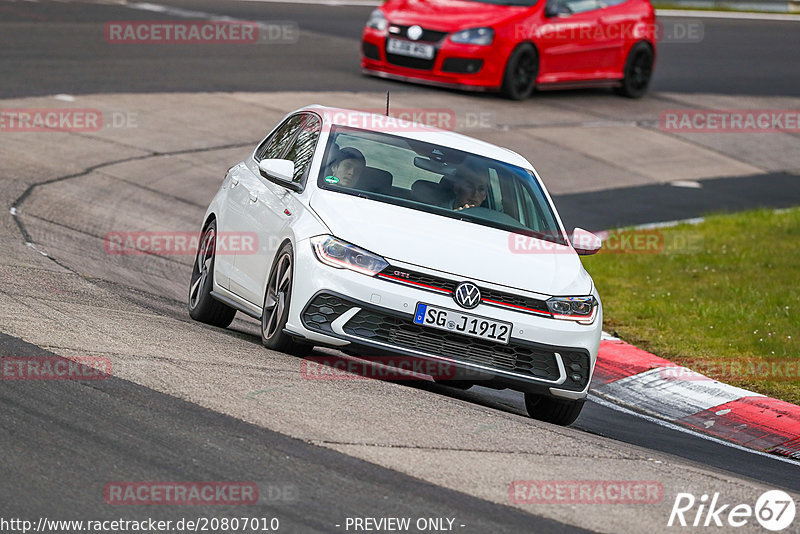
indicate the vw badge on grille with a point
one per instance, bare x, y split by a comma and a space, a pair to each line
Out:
467, 295
414, 32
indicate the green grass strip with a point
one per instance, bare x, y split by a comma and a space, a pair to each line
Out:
721, 297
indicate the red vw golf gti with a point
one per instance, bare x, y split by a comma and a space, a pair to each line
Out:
513, 46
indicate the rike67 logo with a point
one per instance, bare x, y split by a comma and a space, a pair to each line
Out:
774, 510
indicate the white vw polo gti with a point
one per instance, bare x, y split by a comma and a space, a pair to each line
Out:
379, 236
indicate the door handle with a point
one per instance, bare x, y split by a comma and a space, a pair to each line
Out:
253, 197
234, 180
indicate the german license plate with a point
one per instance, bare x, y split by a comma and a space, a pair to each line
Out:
462, 323
407, 48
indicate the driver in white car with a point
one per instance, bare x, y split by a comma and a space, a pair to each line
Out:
470, 187
346, 169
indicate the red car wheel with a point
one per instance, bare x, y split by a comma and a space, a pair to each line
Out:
522, 68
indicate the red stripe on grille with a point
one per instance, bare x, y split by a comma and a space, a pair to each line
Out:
415, 283
515, 306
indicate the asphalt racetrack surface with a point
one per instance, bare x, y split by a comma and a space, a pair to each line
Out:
79, 436
64, 52
319, 453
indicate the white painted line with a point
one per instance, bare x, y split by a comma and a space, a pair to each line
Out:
176, 11
693, 220
605, 336
671, 392
672, 426
604, 123
668, 224
144, 6
65, 98
34, 247
786, 210
689, 184
738, 15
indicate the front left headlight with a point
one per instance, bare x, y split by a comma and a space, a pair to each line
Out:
377, 20
343, 255
475, 36
581, 309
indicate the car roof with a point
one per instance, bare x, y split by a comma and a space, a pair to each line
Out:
333, 116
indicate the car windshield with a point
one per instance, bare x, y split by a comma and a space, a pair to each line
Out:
438, 180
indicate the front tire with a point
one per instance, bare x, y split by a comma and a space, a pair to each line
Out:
638, 71
557, 411
275, 312
521, 72
202, 306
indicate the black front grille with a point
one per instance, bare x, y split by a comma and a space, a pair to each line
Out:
428, 36
395, 274
431, 283
411, 62
370, 50
398, 331
514, 300
377, 326
462, 65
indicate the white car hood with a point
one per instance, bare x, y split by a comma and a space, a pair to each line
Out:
465, 250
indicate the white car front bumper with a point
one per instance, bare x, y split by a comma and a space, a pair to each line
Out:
545, 355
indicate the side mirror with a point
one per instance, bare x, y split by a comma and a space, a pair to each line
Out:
585, 243
280, 171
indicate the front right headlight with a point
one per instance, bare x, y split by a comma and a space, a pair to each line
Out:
475, 36
343, 255
377, 20
580, 309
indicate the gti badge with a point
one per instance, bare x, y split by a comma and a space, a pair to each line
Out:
414, 32
467, 295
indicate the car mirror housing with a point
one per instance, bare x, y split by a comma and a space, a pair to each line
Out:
585, 243
280, 171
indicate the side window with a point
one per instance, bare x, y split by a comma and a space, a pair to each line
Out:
571, 7
581, 6
533, 207
275, 145
302, 149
